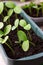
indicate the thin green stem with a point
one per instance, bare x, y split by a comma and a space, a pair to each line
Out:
30, 11
2, 15
9, 21
10, 48
17, 29
18, 42
16, 16
5, 9
32, 43
10, 41
42, 11
29, 36
37, 12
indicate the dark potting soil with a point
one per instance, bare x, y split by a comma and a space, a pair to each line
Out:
19, 53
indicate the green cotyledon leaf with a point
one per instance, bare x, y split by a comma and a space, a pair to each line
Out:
25, 45
21, 36
27, 27
10, 4
1, 33
1, 7
7, 29
17, 9
5, 18
10, 12
1, 25
22, 23
5, 39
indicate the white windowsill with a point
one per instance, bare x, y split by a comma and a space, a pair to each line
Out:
2, 62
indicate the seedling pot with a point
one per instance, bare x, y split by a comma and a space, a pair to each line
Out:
36, 59
35, 19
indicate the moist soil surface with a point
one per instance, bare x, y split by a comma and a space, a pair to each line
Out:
19, 53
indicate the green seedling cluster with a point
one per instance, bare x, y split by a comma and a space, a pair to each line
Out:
29, 6
6, 29
22, 37
35, 6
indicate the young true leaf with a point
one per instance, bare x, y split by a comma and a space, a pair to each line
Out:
21, 36
17, 10
1, 25
1, 33
10, 12
10, 4
25, 45
5, 18
22, 23
7, 29
16, 23
13, 28
1, 7
5, 39
27, 27
1, 40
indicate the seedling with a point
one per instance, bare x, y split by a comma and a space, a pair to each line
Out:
42, 7
37, 8
9, 13
16, 23
22, 37
6, 29
30, 6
